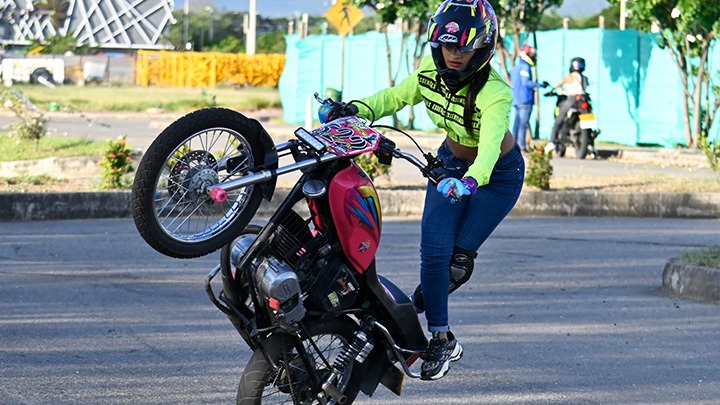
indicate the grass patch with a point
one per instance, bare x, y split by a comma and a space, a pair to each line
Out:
705, 257
137, 99
50, 146
39, 180
648, 183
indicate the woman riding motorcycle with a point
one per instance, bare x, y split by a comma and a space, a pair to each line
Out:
572, 85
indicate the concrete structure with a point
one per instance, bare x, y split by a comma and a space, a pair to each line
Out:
110, 24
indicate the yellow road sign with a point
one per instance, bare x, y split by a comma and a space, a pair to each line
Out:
344, 16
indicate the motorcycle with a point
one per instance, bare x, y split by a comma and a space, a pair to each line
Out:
579, 128
302, 290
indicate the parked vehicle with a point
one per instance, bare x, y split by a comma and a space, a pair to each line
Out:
47, 71
302, 290
579, 128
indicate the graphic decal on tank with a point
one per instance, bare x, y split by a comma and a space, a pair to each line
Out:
363, 204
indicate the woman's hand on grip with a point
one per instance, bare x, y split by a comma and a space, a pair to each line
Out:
331, 112
455, 189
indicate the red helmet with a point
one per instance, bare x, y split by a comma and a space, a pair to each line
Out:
529, 51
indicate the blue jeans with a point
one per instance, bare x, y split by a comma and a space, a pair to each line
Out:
522, 120
466, 224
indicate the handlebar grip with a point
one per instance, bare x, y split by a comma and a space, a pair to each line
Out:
385, 151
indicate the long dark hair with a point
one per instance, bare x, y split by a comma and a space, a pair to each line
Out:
476, 84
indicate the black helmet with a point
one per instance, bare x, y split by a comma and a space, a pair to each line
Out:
468, 25
577, 65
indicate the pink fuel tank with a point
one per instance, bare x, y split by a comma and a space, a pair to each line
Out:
355, 207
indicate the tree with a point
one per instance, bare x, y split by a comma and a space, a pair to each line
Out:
518, 18
686, 28
209, 30
59, 45
412, 16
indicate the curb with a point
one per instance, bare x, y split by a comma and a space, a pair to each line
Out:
688, 281
395, 202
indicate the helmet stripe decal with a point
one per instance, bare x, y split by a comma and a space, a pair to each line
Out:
473, 32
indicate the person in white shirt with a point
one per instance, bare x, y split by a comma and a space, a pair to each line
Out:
572, 85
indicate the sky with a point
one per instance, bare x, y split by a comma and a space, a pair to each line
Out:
293, 8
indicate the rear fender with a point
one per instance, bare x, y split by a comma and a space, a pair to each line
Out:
378, 365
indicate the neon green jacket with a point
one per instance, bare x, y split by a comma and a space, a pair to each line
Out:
490, 122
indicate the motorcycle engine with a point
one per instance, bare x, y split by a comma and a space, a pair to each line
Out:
278, 274
280, 288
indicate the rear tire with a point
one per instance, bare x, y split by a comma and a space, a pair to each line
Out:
260, 385
41, 73
585, 138
171, 210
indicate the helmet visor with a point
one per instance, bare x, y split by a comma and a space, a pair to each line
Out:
451, 35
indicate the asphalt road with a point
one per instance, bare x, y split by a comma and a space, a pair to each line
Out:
559, 311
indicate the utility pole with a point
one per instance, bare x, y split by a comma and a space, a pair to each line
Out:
252, 28
186, 26
622, 15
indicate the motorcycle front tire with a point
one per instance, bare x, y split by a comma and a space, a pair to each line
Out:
163, 205
259, 383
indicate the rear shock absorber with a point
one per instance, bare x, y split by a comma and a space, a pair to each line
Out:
357, 350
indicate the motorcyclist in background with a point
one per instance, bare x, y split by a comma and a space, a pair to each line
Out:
572, 85
523, 87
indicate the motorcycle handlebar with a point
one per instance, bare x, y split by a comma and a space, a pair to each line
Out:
342, 109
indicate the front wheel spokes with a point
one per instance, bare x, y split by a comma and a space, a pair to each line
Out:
182, 207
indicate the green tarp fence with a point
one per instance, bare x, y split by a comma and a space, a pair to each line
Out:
634, 84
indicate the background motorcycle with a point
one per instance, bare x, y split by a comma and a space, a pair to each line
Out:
579, 126
302, 291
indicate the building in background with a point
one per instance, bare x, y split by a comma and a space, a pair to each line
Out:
106, 24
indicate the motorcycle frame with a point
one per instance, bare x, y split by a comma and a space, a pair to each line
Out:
228, 300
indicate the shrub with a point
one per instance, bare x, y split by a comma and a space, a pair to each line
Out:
712, 151
116, 163
32, 125
539, 169
369, 163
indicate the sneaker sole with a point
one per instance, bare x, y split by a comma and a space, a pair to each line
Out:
443, 371
457, 353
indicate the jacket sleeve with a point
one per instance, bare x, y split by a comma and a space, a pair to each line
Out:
526, 80
391, 100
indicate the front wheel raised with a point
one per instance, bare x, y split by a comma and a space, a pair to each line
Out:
171, 206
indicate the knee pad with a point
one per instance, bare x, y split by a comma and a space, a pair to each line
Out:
461, 267
462, 264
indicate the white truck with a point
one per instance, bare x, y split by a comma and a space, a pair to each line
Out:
48, 71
